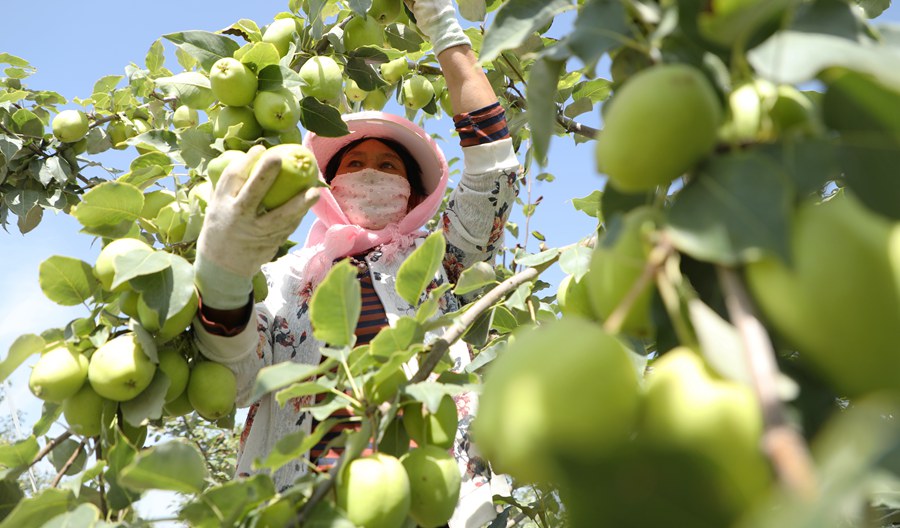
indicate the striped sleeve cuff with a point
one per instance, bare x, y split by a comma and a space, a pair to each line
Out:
220, 329
481, 126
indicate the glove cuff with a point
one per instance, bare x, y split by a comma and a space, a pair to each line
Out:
219, 288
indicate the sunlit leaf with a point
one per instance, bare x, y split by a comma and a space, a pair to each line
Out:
175, 466
66, 281
418, 270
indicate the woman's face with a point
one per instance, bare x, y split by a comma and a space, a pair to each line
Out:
371, 154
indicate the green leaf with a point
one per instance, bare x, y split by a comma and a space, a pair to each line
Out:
578, 107
204, 46
274, 77
155, 57
362, 67
403, 38
429, 308
474, 278
19, 454
614, 202
472, 10
195, 146
515, 21
49, 414
139, 262
335, 306
85, 515
66, 281
518, 298
229, 501
325, 120
794, 57
37, 510
168, 292
576, 261
298, 390
537, 259
28, 123
148, 405
10, 495
176, 465
161, 140
418, 270
590, 205
396, 338
119, 456
107, 83
54, 169
596, 90
191, 88
22, 348
867, 115
602, 25
294, 445
109, 203
431, 393
12, 60
735, 210
281, 375
874, 8
810, 162
541, 98
258, 55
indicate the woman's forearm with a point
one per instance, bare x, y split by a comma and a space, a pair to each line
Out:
468, 85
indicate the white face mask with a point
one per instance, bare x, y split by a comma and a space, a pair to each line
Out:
370, 198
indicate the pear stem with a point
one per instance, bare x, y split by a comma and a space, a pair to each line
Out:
782, 443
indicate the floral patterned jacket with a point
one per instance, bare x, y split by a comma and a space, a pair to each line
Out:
473, 227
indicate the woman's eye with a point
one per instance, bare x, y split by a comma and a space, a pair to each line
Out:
354, 163
388, 165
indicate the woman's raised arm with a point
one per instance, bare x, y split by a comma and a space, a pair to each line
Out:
466, 81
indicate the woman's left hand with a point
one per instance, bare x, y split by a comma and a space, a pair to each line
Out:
436, 19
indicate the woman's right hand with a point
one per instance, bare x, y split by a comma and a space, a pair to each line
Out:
235, 240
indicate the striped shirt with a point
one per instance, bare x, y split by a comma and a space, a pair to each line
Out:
371, 320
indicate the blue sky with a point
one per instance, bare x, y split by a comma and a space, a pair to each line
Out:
72, 44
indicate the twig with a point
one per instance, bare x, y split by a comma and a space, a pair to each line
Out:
319, 493
782, 443
190, 434
574, 127
323, 43
104, 119
49, 447
657, 257
67, 465
439, 347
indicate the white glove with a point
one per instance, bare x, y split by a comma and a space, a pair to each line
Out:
437, 21
235, 241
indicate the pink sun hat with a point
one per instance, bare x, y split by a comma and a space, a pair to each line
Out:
375, 124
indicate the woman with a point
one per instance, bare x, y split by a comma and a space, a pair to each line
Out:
387, 179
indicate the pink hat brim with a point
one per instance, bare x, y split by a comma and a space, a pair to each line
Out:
375, 124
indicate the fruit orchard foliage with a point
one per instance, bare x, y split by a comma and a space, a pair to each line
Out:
754, 113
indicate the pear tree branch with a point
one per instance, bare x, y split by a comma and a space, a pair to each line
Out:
49, 447
67, 465
440, 346
782, 443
